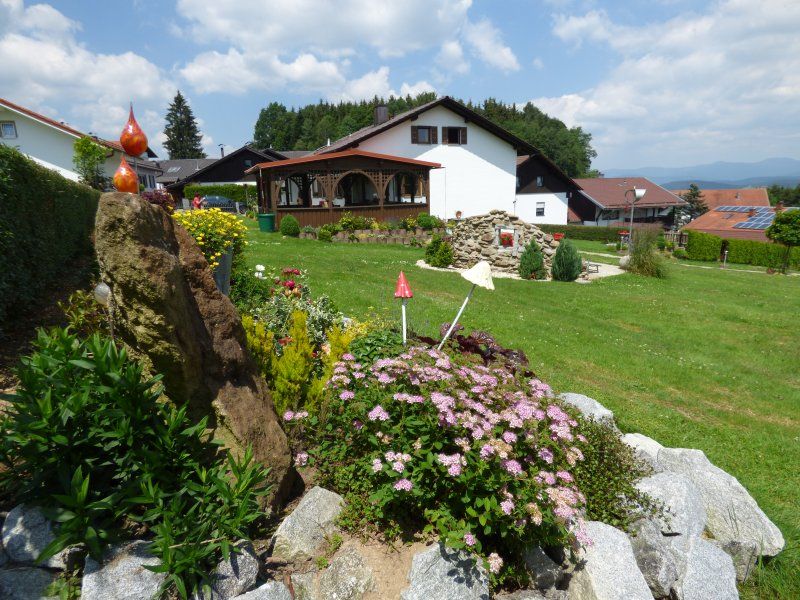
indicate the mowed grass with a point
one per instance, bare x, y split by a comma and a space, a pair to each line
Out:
705, 359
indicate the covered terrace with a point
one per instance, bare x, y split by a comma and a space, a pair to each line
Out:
317, 189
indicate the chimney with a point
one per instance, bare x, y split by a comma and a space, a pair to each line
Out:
751, 212
738, 195
778, 207
381, 114
221, 151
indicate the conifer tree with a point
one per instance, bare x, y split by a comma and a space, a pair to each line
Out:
183, 136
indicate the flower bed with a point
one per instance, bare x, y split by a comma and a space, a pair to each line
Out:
215, 231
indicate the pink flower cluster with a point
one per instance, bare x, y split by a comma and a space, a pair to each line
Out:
290, 415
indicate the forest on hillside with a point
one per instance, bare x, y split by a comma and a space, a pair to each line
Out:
311, 126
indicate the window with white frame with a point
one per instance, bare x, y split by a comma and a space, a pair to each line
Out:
540, 209
8, 129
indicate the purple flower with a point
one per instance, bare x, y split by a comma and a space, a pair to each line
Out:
495, 562
377, 465
403, 485
348, 357
288, 415
512, 466
398, 466
301, 459
507, 506
347, 395
546, 455
509, 437
486, 451
469, 539
357, 424
564, 476
378, 414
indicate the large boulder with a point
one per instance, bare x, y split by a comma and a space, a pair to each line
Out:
445, 575
645, 448
26, 532
544, 572
25, 583
709, 574
608, 570
588, 407
233, 576
122, 575
272, 590
683, 510
304, 531
166, 306
731, 513
655, 557
347, 578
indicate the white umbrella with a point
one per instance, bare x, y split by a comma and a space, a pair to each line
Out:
479, 275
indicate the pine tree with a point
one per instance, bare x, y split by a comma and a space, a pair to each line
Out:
697, 206
183, 136
567, 262
531, 262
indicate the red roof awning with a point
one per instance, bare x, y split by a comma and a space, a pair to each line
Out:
324, 158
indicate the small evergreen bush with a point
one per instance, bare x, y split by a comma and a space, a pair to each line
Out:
680, 253
567, 264
531, 262
439, 252
290, 226
645, 260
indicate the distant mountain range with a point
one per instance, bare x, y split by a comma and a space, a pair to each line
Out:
720, 175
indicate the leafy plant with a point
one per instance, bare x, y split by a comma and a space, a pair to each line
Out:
160, 198
381, 343
645, 260
351, 222
439, 252
531, 262
88, 439
680, 253
89, 159
324, 235
214, 231
84, 315
290, 226
566, 262
308, 229
785, 229
292, 370
428, 222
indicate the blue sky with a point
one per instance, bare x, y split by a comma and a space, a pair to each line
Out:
656, 82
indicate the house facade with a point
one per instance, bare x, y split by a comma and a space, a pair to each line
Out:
606, 201
543, 191
50, 143
476, 168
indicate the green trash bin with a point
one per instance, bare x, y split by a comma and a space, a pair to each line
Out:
266, 222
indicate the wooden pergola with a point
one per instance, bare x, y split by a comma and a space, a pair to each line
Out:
316, 189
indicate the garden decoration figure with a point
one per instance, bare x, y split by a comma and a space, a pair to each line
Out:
403, 291
480, 274
134, 143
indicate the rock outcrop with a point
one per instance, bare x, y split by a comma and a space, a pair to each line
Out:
26, 532
478, 238
588, 407
303, 532
122, 575
166, 306
446, 575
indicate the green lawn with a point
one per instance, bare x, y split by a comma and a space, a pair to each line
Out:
704, 359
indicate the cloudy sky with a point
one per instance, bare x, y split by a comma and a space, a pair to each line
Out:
656, 82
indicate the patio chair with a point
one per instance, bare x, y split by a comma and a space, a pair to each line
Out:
591, 267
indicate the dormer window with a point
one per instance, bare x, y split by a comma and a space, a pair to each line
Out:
8, 129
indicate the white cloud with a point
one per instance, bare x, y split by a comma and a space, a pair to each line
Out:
376, 83
723, 85
487, 43
451, 58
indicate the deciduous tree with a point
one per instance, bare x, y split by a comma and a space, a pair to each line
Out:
785, 229
89, 159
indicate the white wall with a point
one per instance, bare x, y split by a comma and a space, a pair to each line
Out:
555, 208
475, 178
52, 147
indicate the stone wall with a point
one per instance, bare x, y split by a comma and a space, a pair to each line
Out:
478, 238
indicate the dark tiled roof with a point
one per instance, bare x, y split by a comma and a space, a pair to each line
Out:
172, 170
295, 153
609, 192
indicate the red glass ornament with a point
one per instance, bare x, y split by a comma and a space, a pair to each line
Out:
403, 290
125, 179
132, 138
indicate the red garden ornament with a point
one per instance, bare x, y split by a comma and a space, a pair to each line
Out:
132, 138
403, 290
125, 179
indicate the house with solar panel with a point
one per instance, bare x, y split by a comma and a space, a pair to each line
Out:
734, 222
607, 201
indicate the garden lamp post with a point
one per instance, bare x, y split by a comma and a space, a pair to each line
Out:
403, 291
479, 275
636, 195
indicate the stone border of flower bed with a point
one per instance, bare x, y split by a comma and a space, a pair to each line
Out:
710, 535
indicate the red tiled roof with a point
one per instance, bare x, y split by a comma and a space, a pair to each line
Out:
721, 224
609, 192
322, 158
733, 197
58, 125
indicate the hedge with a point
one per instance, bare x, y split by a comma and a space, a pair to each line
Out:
237, 193
585, 232
45, 222
764, 254
703, 246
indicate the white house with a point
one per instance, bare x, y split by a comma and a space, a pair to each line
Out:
50, 143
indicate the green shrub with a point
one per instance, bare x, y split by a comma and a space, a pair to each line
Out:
439, 252
428, 222
84, 315
308, 229
90, 440
381, 343
585, 232
291, 376
324, 235
249, 289
606, 476
245, 194
531, 262
351, 222
703, 246
46, 221
290, 226
645, 260
764, 254
401, 443
567, 265
680, 253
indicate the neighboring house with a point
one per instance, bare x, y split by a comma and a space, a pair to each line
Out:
603, 201
735, 222
228, 169
179, 168
543, 191
733, 197
440, 157
50, 143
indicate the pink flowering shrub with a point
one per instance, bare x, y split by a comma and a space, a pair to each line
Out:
479, 455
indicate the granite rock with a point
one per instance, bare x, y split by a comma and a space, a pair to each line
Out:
303, 532
122, 574
444, 574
